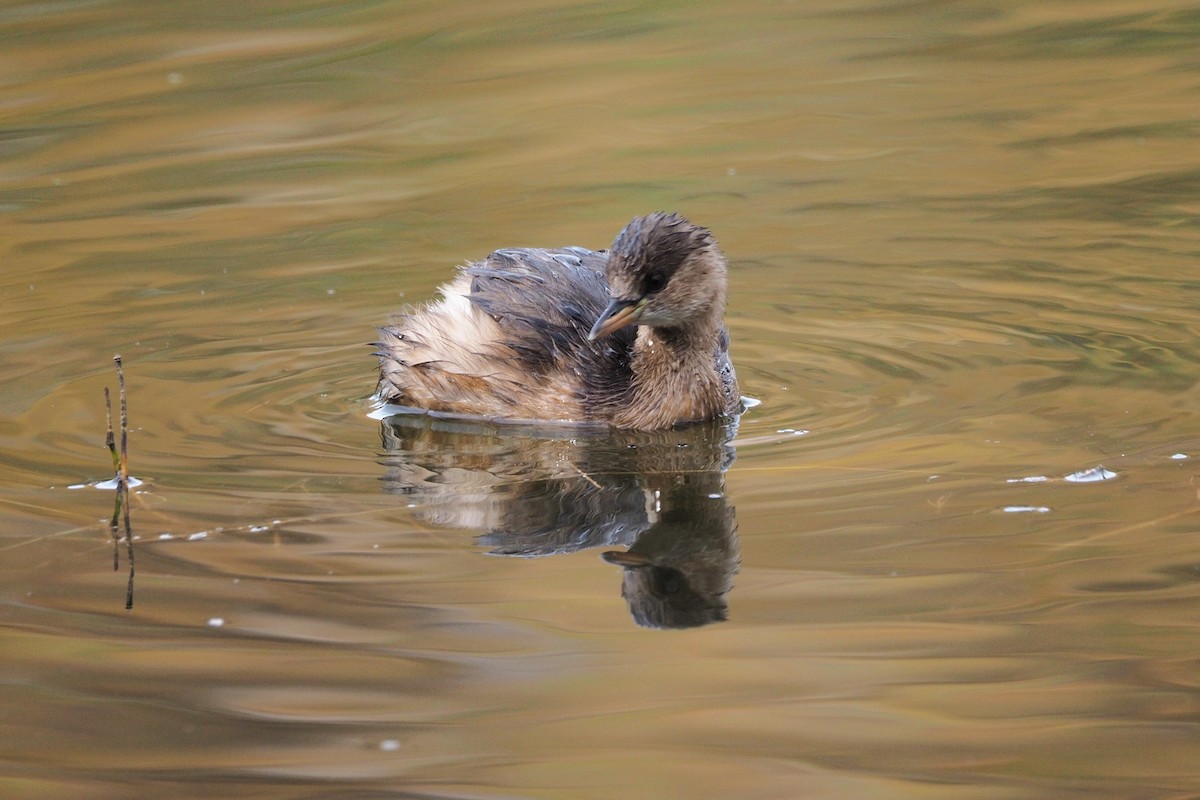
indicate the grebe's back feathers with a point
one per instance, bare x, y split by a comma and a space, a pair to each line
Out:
545, 301
508, 339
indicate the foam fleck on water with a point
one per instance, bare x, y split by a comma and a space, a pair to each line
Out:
1094, 475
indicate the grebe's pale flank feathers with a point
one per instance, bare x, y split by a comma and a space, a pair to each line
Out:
530, 334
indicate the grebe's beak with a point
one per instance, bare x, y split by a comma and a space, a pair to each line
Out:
618, 314
626, 558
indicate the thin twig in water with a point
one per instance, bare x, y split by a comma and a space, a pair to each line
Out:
587, 477
108, 436
112, 449
120, 517
124, 418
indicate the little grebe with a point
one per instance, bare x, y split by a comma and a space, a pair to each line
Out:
548, 335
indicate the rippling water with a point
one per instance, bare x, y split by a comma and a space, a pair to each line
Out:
963, 241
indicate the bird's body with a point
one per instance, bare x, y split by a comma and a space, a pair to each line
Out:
548, 335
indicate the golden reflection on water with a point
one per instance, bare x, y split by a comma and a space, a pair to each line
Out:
963, 242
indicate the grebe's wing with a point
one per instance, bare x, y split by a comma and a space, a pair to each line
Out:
545, 302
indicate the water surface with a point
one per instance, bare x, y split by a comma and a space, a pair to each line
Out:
963, 243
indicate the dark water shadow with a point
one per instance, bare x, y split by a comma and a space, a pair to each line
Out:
541, 491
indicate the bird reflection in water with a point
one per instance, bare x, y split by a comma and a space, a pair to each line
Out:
541, 491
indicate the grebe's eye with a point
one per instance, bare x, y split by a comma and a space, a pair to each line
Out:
655, 281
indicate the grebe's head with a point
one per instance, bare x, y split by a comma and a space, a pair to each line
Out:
663, 271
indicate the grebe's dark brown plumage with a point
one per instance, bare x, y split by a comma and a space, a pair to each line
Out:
548, 335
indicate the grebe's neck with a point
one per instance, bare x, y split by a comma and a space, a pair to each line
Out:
676, 373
